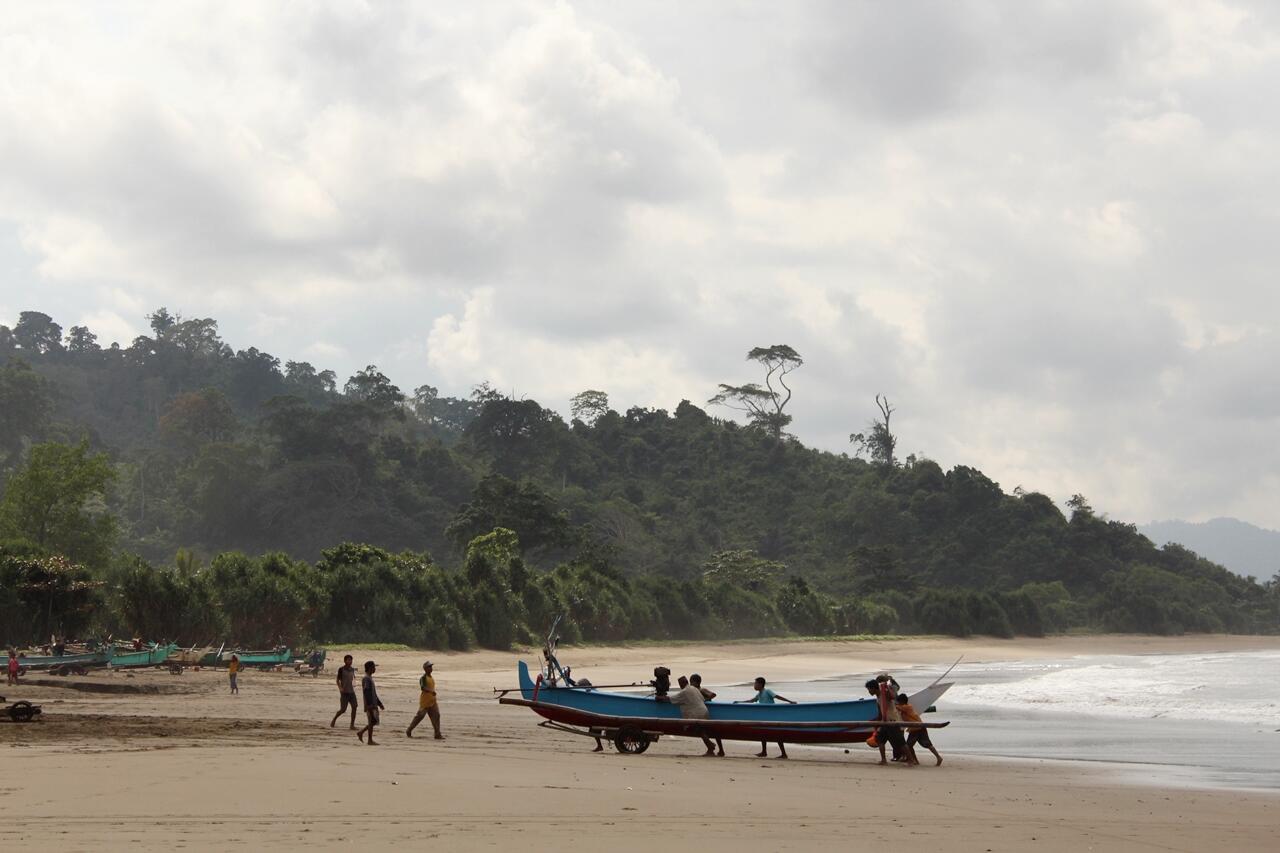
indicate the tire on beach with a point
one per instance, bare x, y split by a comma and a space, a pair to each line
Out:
630, 741
22, 712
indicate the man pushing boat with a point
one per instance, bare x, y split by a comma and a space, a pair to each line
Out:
693, 707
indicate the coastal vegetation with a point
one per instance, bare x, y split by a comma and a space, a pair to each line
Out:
178, 488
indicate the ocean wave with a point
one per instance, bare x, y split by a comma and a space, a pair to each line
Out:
1226, 686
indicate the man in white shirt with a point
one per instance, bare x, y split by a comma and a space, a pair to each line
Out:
692, 707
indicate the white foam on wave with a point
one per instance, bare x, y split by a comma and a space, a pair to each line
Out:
1243, 687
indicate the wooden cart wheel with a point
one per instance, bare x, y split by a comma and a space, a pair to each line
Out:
21, 712
630, 741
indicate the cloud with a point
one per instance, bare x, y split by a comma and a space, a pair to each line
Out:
1045, 231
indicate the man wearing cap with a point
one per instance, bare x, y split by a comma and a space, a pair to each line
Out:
427, 704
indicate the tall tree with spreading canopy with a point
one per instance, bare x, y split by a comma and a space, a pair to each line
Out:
37, 333
589, 406
764, 406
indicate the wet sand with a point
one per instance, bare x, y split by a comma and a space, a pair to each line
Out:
181, 764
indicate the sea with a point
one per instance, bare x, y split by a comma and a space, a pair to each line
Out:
1207, 720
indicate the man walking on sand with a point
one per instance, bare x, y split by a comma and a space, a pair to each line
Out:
372, 704
346, 691
428, 705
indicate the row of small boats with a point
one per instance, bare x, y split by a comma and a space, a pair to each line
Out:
129, 656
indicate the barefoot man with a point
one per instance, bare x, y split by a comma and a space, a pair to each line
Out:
428, 706
346, 691
372, 704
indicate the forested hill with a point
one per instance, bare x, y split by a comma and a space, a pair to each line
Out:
213, 449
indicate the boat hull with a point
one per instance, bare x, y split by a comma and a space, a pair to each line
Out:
98, 658
283, 657
850, 721
144, 657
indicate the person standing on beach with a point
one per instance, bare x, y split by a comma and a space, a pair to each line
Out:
765, 696
13, 667
233, 669
372, 705
707, 696
346, 691
428, 705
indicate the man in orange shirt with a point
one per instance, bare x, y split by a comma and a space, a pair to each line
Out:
915, 735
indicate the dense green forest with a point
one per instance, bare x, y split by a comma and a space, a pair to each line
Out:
178, 488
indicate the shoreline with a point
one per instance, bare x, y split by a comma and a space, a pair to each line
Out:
189, 764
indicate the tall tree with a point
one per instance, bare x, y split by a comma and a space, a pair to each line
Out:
372, 386
878, 442
37, 333
80, 340
764, 406
56, 502
26, 402
589, 406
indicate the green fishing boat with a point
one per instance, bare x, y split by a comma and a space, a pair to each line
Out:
282, 656
151, 656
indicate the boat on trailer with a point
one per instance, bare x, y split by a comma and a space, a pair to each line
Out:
633, 721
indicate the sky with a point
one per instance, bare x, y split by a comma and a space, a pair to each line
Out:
1046, 231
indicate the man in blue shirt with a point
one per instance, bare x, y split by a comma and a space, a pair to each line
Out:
765, 696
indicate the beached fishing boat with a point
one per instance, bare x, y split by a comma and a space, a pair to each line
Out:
99, 657
154, 655
632, 721
282, 656
194, 656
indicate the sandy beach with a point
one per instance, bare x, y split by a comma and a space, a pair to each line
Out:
174, 762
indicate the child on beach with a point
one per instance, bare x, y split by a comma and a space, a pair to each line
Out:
12, 672
915, 735
233, 669
372, 705
766, 696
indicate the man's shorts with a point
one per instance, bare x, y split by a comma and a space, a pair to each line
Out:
348, 701
920, 737
426, 701
891, 735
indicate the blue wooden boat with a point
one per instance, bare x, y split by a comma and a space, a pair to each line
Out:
88, 659
633, 721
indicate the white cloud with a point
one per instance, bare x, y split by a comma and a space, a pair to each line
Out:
1046, 232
